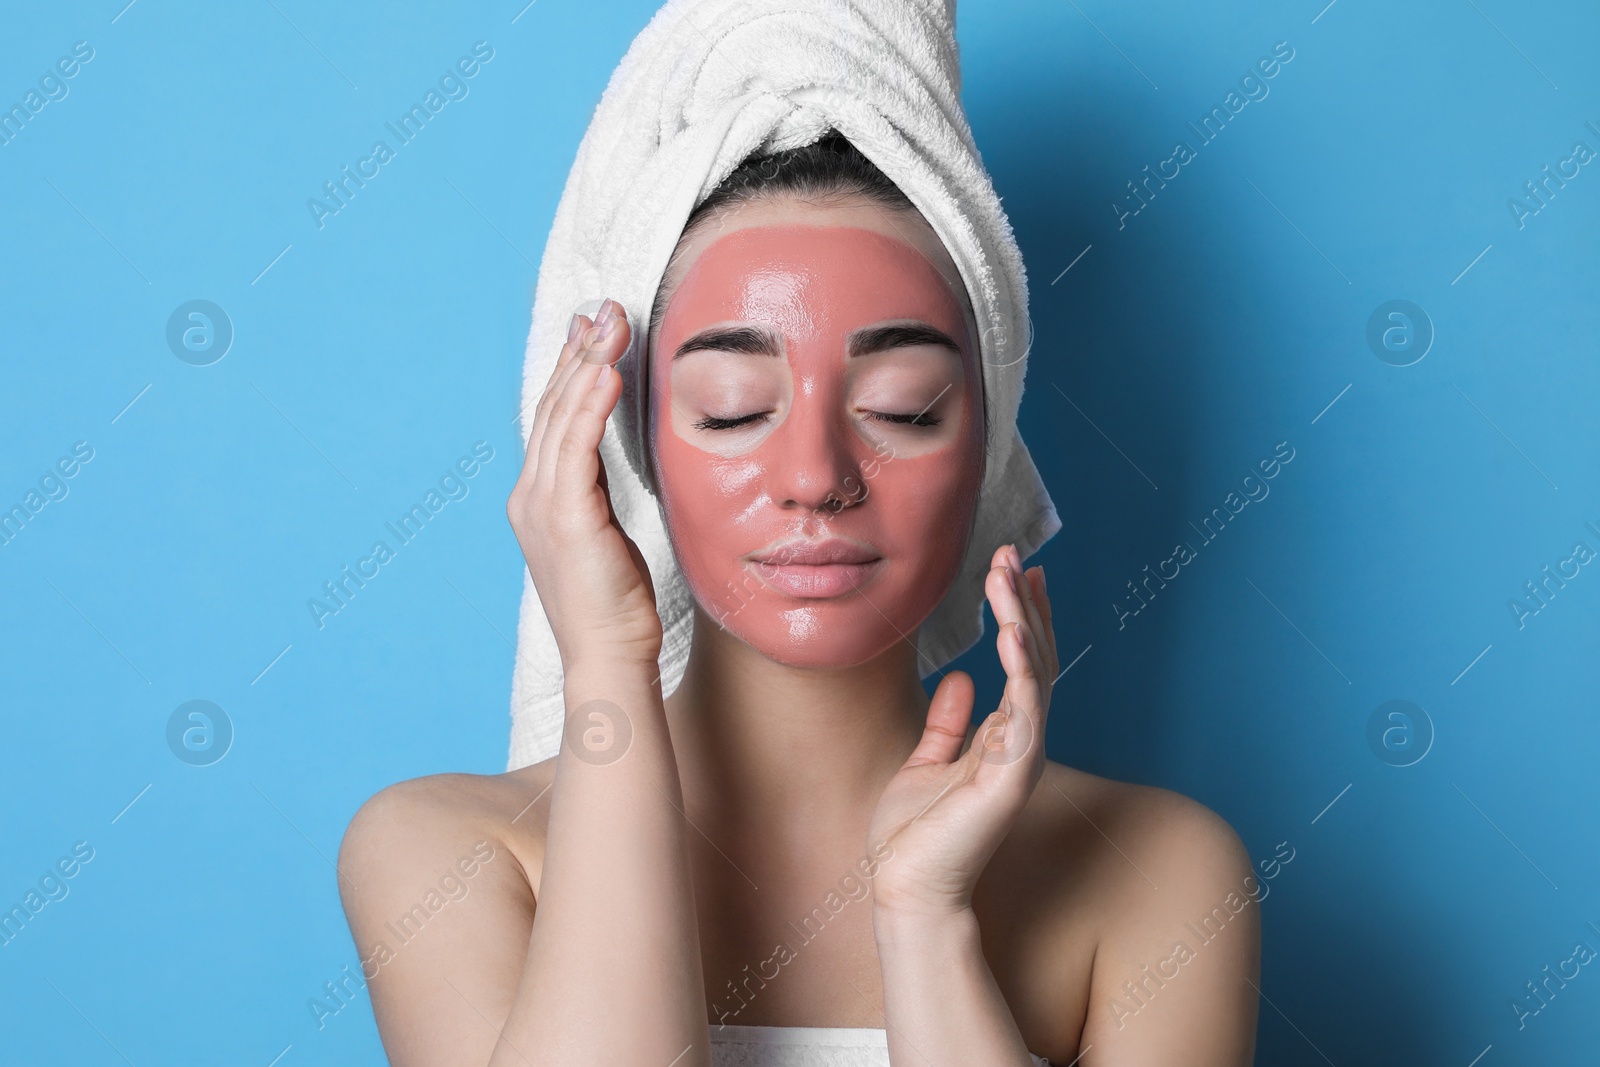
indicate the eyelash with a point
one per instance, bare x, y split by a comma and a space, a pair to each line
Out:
912, 419
924, 420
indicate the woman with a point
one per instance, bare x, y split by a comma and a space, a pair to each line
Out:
797, 851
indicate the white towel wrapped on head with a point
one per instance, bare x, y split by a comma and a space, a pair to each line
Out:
706, 84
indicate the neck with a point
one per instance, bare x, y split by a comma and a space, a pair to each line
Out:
800, 746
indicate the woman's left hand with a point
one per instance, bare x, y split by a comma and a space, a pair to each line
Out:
946, 811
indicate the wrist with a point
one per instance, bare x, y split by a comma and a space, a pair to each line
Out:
606, 672
613, 687
600, 654
905, 927
611, 707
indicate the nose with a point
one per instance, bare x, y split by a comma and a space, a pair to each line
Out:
814, 463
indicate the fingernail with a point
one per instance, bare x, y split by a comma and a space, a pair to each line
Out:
574, 327
608, 312
603, 377
1011, 577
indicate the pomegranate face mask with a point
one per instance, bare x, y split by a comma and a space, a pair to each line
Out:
816, 425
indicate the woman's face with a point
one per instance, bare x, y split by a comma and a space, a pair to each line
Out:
816, 421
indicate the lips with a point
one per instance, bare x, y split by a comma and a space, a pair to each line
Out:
816, 569
828, 550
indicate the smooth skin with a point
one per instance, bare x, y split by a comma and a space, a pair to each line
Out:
1022, 901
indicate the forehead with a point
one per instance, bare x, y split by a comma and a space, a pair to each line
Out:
777, 258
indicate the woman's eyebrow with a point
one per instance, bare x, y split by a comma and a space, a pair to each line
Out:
761, 341
883, 338
751, 340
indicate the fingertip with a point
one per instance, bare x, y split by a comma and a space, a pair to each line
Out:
955, 683
576, 332
604, 343
1008, 577
988, 584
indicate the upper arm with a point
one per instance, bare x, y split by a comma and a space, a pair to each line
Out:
440, 911
1174, 976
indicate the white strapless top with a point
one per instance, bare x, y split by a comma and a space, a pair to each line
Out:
803, 1046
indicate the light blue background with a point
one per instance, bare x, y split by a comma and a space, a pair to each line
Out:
1225, 317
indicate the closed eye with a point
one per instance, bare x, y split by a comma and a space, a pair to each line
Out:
714, 422
915, 418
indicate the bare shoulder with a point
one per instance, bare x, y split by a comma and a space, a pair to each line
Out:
1084, 839
414, 823
1162, 892
439, 877
1179, 836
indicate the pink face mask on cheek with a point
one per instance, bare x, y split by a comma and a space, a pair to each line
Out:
817, 532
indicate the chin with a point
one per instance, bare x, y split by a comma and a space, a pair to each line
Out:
833, 632
810, 640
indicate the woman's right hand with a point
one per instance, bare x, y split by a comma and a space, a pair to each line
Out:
591, 577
